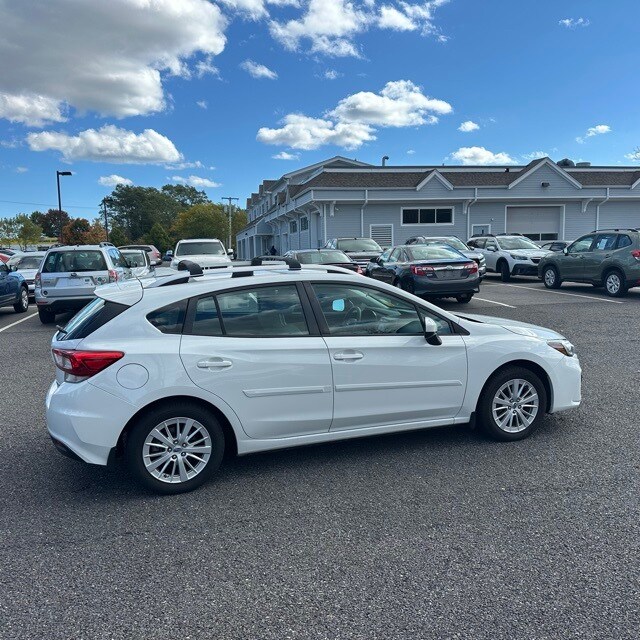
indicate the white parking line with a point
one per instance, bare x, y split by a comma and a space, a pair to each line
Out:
502, 304
560, 293
13, 324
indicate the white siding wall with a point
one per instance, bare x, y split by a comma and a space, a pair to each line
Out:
619, 214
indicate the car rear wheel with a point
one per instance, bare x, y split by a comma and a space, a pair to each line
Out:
512, 404
175, 449
614, 284
46, 317
505, 272
551, 278
408, 286
23, 303
464, 298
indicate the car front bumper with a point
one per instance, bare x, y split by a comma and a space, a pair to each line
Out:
566, 381
524, 269
84, 421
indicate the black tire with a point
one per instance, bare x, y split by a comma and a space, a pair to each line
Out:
505, 273
551, 278
149, 421
485, 415
465, 298
23, 304
46, 317
408, 286
615, 284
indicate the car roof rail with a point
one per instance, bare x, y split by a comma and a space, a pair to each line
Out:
107, 244
292, 263
190, 266
509, 234
620, 229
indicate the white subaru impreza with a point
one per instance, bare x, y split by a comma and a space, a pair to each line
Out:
173, 374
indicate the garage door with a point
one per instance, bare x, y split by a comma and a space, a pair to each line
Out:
537, 223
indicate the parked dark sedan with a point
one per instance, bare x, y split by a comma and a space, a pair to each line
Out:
326, 257
432, 271
13, 289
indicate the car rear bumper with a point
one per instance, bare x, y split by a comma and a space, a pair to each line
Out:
63, 304
424, 285
84, 422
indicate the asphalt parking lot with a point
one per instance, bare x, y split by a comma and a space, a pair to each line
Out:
436, 534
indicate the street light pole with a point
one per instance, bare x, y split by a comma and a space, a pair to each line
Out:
58, 174
106, 220
229, 213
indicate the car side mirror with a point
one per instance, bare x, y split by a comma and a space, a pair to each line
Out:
491, 249
565, 251
13, 267
431, 332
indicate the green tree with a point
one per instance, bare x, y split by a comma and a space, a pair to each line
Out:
238, 222
201, 221
74, 232
37, 217
119, 236
53, 221
28, 231
185, 195
95, 234
158, 237
9, 229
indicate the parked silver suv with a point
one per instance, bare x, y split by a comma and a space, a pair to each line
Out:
68, 277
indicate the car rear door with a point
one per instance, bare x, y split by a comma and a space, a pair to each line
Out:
384, 371
259, 349
600, 256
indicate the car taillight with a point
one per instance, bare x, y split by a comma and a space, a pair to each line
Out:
38, 280
113, 275
472, 268
359, 270
80, 365
636, 254
418, 270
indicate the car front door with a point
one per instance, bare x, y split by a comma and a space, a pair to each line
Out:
376, 265
5, 294
384, 371
490, 253
387, 271
597, 260
258, 350
572, 264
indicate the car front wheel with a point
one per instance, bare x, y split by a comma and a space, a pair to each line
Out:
175, 448
512, 404
551, 278
23, 302
505, 272
464, 298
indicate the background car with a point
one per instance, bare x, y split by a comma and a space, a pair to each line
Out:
430, 270
155, 258
606, 258
13, 289
208, 253
138, 261
509, 254
555, 245
325, 256
27, 264
69, 275
456, 243
167, 257
6, 254
360, 250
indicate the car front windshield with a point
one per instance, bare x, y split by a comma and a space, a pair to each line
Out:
456, 243
322, 257
433, 252
516, 243
200, 249
358, 244
25, 262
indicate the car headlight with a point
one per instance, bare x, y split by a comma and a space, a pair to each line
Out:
563, 346
515, 256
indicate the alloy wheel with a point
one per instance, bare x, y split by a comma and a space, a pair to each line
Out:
613, 283
176, 450
550, 277
515, 405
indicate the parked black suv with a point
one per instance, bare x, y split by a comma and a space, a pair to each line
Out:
360, 250
608, 258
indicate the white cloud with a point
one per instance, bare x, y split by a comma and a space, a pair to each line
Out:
598, 130
109, 57
634, 156
108, 144
331, 74
302, 132
468, 125
114, 180
351, 123
21, 169
256, 70
256, 9
535, 155
572, 23
399, 104
410, 152
329, 27
480, 156
196, 181
180, 166
203, 104
283, 155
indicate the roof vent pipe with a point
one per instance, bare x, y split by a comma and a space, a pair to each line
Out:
384, 161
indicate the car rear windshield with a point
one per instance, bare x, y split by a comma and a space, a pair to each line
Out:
358, 244
323, 257
452, 242
433, 252
96, 314
74, 261
200, 248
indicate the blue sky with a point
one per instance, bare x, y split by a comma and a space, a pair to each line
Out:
217, 93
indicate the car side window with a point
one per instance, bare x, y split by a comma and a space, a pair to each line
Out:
395, 254
480, 243
605, 242
492, 243
624, 241
206, 321
263, 312
384, 256
117, 258
404, 257
581, 245
353, 310
169, 319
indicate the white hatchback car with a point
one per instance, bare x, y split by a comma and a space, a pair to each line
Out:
173, 375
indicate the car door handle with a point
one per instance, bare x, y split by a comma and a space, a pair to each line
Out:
348, 355
214, 363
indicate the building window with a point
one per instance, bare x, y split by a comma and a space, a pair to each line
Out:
304, 224
427, 216
293, 226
